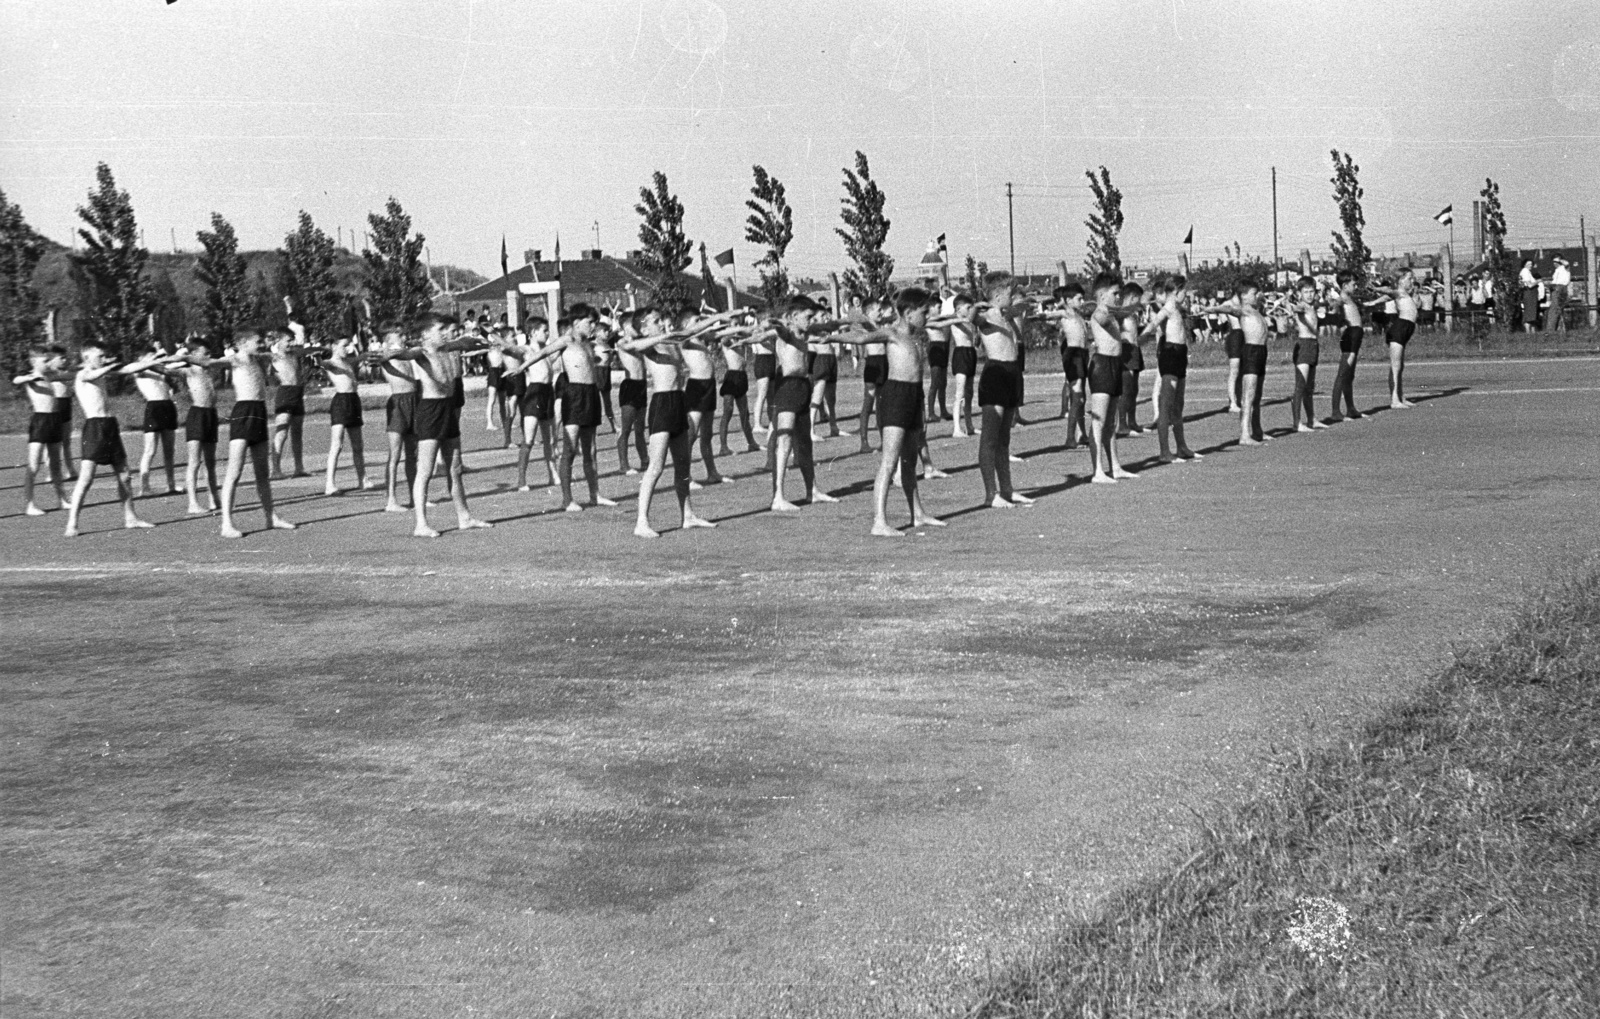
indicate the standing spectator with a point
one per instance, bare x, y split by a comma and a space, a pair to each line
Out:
1560, 280
1530, 295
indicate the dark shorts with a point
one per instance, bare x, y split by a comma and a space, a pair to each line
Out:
345, 409
735, 384
437, 420
64, 411
1350, 340
248, 422
1105, 375
792, 395
580, 405
964, 361
1253, 359
1172, 359
669, 413
900, 405
1000, 384
1075, 362
514, 385
400, 415
633, 393
102, 443
700, 395
763, 366
822, 368
1132, 357
537, 401
1307, 351
938, 355
160, 416
45, 427
1400, 331
201, 425
1233, 343
493, 375
876, 372
458, 393
289, 400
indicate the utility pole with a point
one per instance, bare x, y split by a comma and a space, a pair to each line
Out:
1011, 229
1277, 263
175, 238
597, 239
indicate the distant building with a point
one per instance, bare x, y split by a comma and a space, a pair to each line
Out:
594, 278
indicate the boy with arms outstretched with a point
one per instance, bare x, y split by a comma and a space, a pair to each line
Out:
667, 419
44, 425
200, 428
633, 398
999, 392
1170, 324
1074, 360
1307, 354
1398, 332
1246, 307
1105, 381
344, 413
1349, 349
160, 419
289, 401
791, 404
102, 437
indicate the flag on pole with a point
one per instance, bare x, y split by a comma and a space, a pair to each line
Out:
505, 259
725, 258
1446, 215
943, 249
558, 255
1188, 238
708, 283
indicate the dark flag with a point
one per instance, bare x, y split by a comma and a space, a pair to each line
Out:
1446, 215
558, 257
1188, 238
708, 283
505, 259
724, 258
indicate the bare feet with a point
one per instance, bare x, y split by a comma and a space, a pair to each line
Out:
695, 486
471, 523
525, 488
230, 531
1000, 502
1250, 442
630, 472
70, 532
1166, 458
370, 485
960, 433
1014, 458
781, 505
1318, 424
395, 507
573, 507
33, 511
601, 500
927, 521
135, 524
690, 520
1121, 474
424, 531
1189, 454
934, 472
1102, 479
644, 530
331, 490
1018, 499
883, 530
1302, 428
818, 495
280, 524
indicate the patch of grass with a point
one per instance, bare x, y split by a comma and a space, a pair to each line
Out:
1460, 835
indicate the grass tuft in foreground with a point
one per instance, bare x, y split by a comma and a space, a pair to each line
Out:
1447, 865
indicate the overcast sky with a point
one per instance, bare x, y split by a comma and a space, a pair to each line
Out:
534, 117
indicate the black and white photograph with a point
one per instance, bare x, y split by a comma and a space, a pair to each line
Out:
716, 509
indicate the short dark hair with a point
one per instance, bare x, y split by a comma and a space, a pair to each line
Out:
582, 310
799, 302
1306, 281
962, 297
428, 319
533, 322
1067, 291
1130, 290
910, 299
1105, 281
1248, 283
563, 324
993, 281
1344, 276
39, 350
390, 325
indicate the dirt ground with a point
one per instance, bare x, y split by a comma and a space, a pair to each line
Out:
782, 766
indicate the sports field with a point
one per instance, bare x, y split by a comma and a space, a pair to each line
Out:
781, 766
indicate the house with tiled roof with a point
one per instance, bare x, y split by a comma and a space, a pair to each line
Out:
594, 278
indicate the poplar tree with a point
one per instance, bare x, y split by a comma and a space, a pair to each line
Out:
770, 224
1350, 252
112, 267
20, 251
306, 277
396, 276
665, 251
864, 233
221, 270
1104, 225
1501, 270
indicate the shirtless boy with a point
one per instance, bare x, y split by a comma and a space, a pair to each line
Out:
437, 361
399, 416
102, 438
289, 402
1233, 346
791, 402
873, 375
160, 419
668, 417
344, 413
962, 311
763, 367
1307, 353
44, 426
1130, 298
822, 369
900, 408
735, 391
940, 365
62, 387
1074, 360
700, 397
999, 390
1105, 380
1246, 307
1399, 332
537, 407
580, 408
1349, 348
633, 398
200, 428
513, 383
1170, 325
